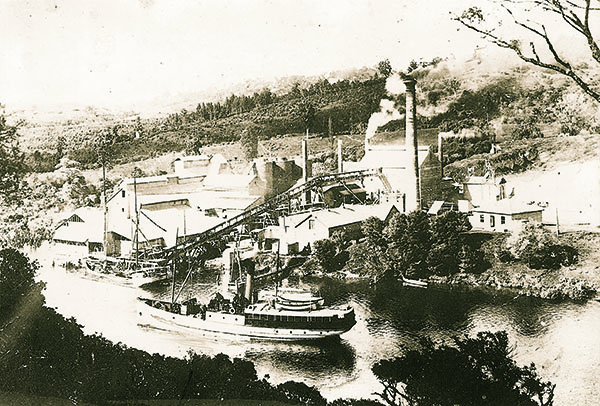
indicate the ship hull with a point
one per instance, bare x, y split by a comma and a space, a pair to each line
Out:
236, 326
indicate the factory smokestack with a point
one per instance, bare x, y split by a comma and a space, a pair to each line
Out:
411, 141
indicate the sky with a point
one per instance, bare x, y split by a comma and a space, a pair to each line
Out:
126, 52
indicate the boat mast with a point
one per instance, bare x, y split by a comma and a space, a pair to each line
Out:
277, 270
104, 208
173, 271
137, 224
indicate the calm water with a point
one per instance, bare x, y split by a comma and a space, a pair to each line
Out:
563, 339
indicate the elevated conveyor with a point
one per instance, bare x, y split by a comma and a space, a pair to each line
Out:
193, 246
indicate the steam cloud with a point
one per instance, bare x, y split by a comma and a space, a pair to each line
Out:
387, 112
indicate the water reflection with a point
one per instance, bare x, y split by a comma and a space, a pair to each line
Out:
320, 360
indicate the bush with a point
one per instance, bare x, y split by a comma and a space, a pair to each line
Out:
325, 251
552, 257
540, 249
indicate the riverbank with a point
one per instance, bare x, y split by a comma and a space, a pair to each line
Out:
577, 282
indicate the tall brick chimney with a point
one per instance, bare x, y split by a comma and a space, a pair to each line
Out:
412, 144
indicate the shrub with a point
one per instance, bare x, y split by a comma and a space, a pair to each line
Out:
325, 251
539, 248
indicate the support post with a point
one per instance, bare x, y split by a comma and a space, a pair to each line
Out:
339, 156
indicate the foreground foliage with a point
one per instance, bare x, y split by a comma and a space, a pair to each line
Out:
472, 371
43, 354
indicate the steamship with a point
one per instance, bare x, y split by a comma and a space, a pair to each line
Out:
261, 320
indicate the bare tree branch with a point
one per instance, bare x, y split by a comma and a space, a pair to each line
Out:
473, 19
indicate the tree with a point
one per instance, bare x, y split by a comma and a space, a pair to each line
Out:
384, 68
12, 165
16, 279
325, 251
473, 371
446, 242
539, 21
301, 393
372, 229
306, 112
417, 245
249, 143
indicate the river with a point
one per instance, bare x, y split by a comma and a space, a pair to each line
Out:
562, 339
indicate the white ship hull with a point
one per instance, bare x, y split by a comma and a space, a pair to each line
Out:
232, 325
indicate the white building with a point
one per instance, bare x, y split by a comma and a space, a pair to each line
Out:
505, 215
296, 231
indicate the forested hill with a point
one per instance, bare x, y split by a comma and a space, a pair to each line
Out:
486, 106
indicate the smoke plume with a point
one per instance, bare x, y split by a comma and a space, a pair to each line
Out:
387, 112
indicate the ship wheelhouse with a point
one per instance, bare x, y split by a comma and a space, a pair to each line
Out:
322, 319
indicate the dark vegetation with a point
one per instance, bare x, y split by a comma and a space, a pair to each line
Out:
538, 248
414, 245
472, 371
12, 165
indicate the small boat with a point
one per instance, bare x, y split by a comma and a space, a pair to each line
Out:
297, 299
255, 321
417, 283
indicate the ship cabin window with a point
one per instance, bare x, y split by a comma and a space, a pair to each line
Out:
311, 224
122, 193
502, 220
492, 221
481, 218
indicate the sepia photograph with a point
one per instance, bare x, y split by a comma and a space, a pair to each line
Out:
324, 203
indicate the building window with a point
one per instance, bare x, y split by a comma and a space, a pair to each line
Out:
492, 221
311, 224
481, 218
502, 220
122, 193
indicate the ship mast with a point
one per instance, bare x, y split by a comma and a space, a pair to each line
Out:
173, 271
137, 224
104, 208
277, 270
